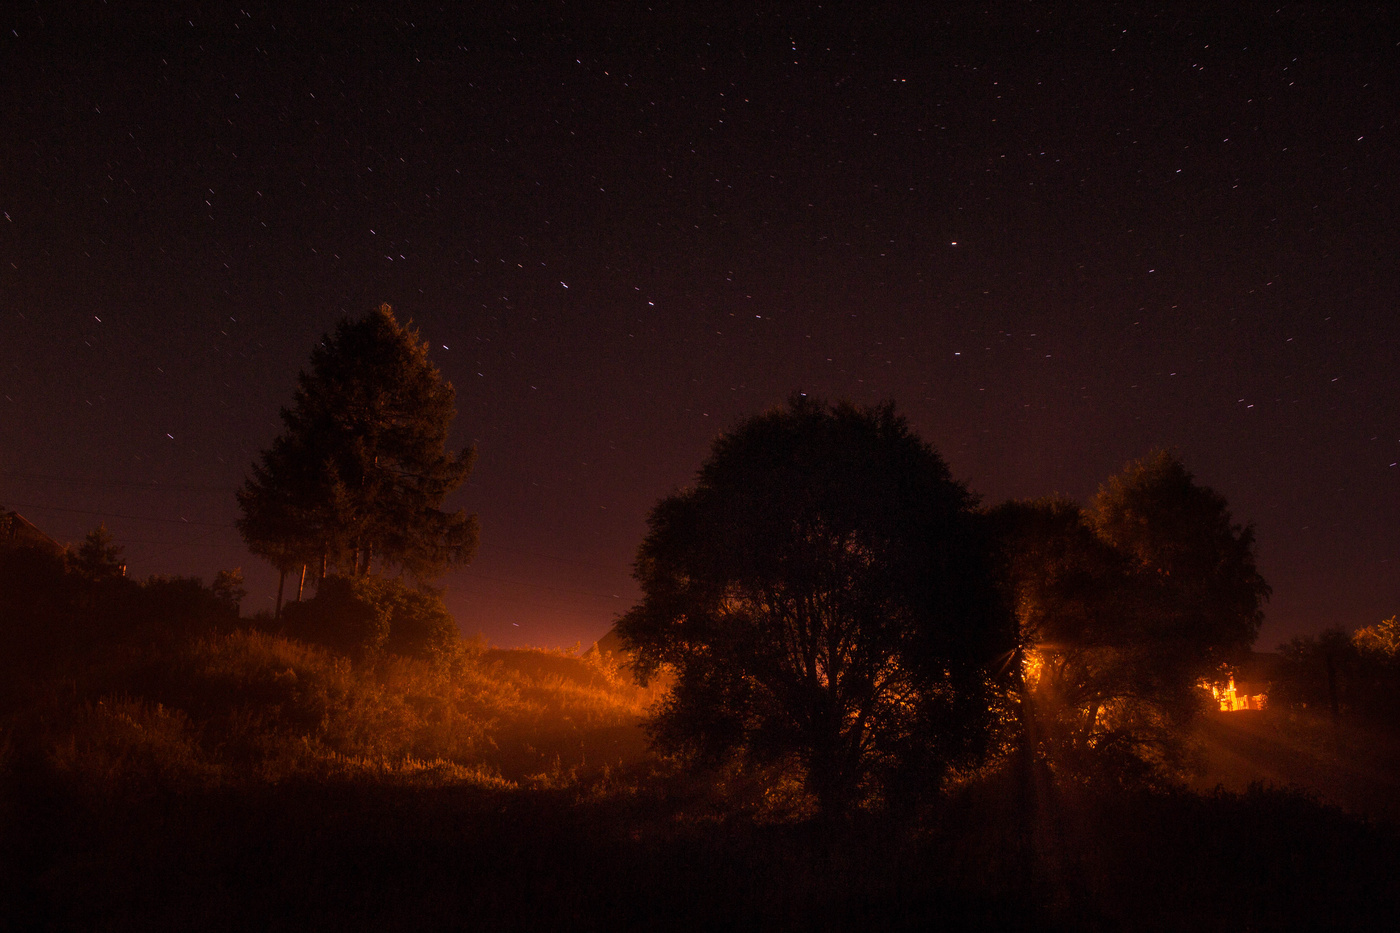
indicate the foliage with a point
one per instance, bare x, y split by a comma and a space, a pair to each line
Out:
1123, 610
822, 595
357, 613
64, 609
229, 708
1381, 641
99, 558
360, 471
1197, 563
175, 604
38, 602
229, 589
1350, 675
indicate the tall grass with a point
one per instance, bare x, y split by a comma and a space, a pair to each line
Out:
246, 780
241, 706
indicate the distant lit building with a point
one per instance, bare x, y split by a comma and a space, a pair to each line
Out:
1232, 698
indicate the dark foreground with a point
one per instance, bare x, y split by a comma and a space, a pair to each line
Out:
380, 856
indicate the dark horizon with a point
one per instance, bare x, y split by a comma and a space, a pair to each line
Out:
1056, 240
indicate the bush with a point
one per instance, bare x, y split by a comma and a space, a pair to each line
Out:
368, 612
177, 604
59, 610
37, 605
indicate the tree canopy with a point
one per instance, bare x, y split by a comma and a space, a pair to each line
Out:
1356, 676
98, 558
823, 597
361, 470
1125, 607
1189, 550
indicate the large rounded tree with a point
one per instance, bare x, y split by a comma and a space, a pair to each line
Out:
822, 595
1124, 609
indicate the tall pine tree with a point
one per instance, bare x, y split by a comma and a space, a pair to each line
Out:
361, 470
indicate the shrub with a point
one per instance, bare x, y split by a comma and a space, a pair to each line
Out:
369, 612
344, 615
176, 604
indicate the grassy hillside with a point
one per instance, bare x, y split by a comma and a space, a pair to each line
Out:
232, 779
228, 708
1355, 767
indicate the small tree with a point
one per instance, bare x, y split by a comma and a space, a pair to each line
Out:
823, 597
361, 471
99, 558
229, 589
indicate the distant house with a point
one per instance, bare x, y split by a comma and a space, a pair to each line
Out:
16, 532
1232, 699
1248, 686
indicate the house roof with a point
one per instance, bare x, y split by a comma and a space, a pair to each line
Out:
16, 531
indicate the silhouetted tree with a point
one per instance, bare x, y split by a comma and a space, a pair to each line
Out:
361, 471
1353, 676
228, 588
823, 596
1197, 562
99, 558
1124, 610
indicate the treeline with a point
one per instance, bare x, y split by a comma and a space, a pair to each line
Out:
67, 604
59, 605
1352, 676
842, 615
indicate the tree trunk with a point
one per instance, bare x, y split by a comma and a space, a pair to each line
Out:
1332, 699
281, 579
301, 584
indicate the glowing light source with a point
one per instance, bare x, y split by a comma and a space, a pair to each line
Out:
1231, 700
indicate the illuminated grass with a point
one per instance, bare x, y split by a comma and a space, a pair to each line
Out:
250, 706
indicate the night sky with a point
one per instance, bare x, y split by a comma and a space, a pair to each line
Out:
1056, 238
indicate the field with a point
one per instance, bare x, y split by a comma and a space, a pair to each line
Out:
1355, 768
241, 779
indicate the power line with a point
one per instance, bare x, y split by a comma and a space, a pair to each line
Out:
563, 560
135, 518
188, 487
152, 485
465, 574
537, 586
